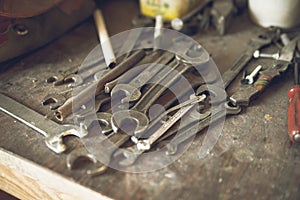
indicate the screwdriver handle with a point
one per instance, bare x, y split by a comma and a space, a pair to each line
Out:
294, 114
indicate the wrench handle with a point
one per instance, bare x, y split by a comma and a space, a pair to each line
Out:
294, 114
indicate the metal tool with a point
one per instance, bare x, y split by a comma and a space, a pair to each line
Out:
74, 80
75, 155
262, 39
93, 106
137, 114
94, 64
249, 79
194, 122
132, 89
53, 132
246, 93
141, 145
102, 118
258, 54
145, 144
55, 79
218, 113
120, 138
219, 108
294, 106
150, 58
76, 102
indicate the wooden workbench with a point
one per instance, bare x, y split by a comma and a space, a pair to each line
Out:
253, 158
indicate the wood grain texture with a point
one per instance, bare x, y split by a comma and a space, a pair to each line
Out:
26, 180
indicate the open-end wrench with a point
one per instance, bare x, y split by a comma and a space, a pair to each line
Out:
246, 93
82, 152
76, 102
53, 132
138, 113
132, 89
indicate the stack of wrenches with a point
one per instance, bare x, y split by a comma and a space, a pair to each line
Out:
228, 76
142, 101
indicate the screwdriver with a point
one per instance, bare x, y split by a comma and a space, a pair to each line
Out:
294, 106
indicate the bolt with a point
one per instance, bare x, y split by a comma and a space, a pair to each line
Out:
250, 78
257, 54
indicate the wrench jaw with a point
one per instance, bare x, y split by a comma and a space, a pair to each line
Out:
81, 153
132, 94
218, 94
53, 101
55, 142
56, 79
102, 118
132, 118
73, 80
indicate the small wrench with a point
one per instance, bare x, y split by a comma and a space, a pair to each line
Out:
145, 144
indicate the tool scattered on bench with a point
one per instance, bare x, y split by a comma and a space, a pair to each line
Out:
294, 106
53, 132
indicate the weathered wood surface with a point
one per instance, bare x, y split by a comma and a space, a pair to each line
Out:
253, 159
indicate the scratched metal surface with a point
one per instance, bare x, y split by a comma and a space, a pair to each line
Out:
252, 159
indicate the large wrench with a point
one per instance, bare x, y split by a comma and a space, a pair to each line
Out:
53, 132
